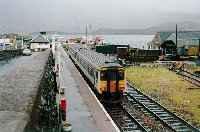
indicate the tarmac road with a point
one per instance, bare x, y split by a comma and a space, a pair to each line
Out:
19, 82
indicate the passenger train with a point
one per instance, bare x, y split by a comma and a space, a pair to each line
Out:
108, 78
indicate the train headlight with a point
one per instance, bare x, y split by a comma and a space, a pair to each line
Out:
122, 88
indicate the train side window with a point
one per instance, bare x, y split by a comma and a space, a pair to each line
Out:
103, 75
96, 75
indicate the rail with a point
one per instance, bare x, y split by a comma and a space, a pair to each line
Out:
192, 78
123, 119
148, 120
168, 118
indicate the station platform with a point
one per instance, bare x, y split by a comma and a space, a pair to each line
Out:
84, 111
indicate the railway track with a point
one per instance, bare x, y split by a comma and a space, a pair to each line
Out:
167, 118
193, 78
149, 122
129, 119
123, 119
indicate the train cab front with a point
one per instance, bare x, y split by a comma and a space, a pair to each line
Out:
112, 83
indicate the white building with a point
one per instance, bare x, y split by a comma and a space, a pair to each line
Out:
6, 44
40, 43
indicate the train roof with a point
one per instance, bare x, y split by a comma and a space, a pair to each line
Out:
111, 64
97, 59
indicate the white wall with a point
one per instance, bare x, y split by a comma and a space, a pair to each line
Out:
34, 45
4, 40
39, 46
44, 46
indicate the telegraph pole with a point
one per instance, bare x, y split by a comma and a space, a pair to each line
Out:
199, 48
176, 36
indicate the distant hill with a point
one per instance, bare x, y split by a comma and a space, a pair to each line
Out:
182, 26
120, 31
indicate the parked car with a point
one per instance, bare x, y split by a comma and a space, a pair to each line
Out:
26, 52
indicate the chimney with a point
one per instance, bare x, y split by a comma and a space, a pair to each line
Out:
43, 33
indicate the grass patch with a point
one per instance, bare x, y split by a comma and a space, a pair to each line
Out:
169, 89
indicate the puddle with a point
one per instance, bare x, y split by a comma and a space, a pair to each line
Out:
6, 65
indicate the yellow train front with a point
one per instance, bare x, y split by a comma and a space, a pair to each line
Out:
111, 81
108, 78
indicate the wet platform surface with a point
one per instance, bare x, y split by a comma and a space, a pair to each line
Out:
84, 112
18, 89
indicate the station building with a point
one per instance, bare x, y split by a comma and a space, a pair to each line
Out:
40, 42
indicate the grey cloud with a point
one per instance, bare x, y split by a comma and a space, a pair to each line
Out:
73, 15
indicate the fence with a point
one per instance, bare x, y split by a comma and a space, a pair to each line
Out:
7, 54
45, 115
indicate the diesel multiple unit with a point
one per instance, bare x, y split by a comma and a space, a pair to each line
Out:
107, 77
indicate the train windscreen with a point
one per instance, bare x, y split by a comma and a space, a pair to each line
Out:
112, 75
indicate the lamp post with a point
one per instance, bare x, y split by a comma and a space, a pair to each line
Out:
22, 41
86, 34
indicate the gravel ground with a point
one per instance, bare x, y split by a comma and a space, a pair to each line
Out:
18, 89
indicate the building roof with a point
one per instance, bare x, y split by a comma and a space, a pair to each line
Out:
40, 39
188, 35
186, 38
164, 35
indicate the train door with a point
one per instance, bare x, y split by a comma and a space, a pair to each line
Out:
112, 81
115, 78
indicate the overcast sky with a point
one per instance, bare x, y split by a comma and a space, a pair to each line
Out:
73, 15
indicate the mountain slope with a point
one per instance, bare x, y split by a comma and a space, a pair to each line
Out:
182, 26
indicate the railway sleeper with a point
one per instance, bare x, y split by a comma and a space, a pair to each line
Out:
179, 128
177, 124
157, 111
171, 121
154, 108
140, 96
167, 117
183, 130
151, 104
162, 112
163, 115
129, 123
144, 101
